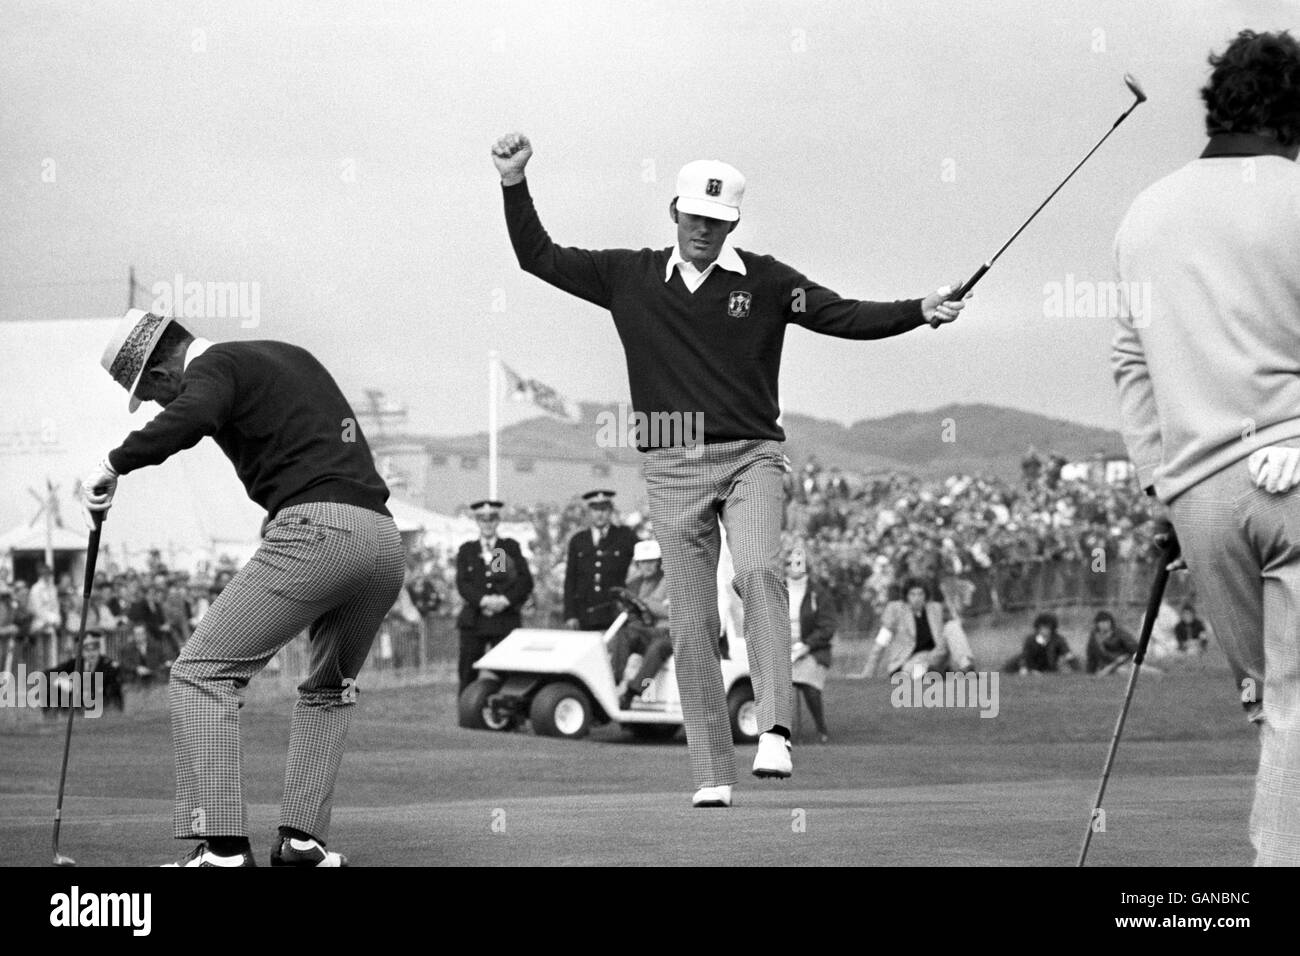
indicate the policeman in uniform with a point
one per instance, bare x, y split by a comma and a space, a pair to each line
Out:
494, 580
599, 557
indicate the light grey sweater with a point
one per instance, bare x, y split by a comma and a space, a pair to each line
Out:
1213, 372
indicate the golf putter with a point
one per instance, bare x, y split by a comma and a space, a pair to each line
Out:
961, 291
1169, 553
92, 553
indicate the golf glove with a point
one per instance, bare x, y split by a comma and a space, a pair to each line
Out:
99, 485
1275, 469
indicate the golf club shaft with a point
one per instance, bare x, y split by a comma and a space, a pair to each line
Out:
1154, 601
92, 553
961, 291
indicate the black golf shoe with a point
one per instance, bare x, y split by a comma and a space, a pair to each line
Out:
291, 852
202, 856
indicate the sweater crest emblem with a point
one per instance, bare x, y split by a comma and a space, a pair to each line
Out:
738, 305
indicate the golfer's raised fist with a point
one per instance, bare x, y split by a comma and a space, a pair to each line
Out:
511, 154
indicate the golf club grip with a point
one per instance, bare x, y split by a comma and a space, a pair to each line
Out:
92, 552
961, 291
1168, 555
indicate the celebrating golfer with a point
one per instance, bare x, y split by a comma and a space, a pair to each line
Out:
1209, 386
331, 561
702, 325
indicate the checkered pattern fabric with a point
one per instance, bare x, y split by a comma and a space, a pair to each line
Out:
690, 489
1242, 546
333, 568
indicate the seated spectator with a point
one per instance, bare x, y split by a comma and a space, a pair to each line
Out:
1190, 631
647, 633
144, 663
1044, 651
1109, 646
93, 661
913, 636
812, 625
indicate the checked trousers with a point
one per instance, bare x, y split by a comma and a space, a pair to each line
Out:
691, 489
332, 569
1242, 546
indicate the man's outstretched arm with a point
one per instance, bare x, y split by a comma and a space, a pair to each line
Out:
818, 309
581, 272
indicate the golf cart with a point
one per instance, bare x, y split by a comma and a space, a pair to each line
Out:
563, 682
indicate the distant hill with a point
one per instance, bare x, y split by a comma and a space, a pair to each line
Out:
955, 438
987, 439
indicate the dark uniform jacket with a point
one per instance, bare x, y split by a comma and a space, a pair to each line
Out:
591, 571
817, 619
505, 573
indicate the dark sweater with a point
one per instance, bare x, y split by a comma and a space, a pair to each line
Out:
281, 420
711, 352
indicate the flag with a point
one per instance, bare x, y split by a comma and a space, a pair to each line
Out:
540, 394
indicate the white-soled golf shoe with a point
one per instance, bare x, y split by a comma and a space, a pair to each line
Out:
712, 796
202, 856
773, 758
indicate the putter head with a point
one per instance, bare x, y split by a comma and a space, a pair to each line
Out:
61, 860
1132, 84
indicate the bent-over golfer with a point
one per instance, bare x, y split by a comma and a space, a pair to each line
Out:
702, 325
1209, 386
331, 561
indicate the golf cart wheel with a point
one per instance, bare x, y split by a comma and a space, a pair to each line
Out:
561, 710
740, 708
652, 731
474, 711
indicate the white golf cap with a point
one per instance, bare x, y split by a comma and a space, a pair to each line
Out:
646, 551
129, 349
707, 187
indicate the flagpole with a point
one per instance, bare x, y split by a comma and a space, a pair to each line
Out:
494, 392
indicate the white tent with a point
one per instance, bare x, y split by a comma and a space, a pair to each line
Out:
447, 532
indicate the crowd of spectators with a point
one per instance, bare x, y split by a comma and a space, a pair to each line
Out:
974, 538
146, 614
981, 543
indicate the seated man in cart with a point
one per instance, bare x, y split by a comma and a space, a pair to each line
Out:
646, 630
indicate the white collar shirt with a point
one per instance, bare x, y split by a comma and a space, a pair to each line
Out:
196, 348
728, 259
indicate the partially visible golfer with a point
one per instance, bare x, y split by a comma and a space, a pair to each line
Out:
702, 325
1209, 388
331, 561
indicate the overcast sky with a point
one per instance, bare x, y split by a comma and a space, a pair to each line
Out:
335, 157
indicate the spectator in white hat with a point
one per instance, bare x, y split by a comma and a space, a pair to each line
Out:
646, 632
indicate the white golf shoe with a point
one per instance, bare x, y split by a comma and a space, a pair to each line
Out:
713, 796
773, 758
